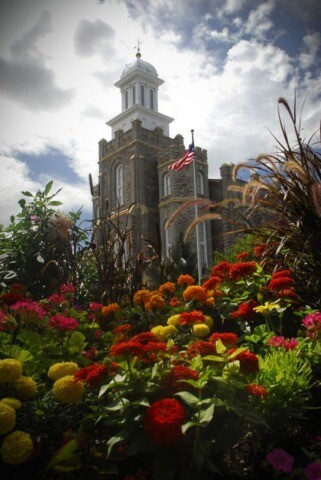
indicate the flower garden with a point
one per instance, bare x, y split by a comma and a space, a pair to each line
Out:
184, 381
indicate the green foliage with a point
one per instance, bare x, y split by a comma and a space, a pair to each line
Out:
244, 243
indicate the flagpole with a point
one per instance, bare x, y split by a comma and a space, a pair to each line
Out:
199, 266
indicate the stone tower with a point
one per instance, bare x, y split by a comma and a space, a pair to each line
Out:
133, 168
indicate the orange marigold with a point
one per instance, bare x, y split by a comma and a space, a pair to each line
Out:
168, 287
155, 301
184, 280
141, 297
112, 308
194, 292
174, 302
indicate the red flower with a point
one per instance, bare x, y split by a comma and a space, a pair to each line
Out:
228, 338
242, 269
280, 283
189, 318
130, 348
245, 310
248, 361
174, 380
11, 297
122, 329
92, 374
212, 283
163, 421
242, 255
282, 273
144, 345
257, 390
174, 302
222, 269
260, 249
200, 347
63, 323
287, 293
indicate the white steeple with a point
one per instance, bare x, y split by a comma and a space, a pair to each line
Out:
138, 85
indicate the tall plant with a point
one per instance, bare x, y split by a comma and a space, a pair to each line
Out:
284, 191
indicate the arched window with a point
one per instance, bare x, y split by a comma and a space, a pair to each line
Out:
168, 240
119, 185
142, 95
167, 185
199, 183
134, 94
151, 99
126, 99
202, 243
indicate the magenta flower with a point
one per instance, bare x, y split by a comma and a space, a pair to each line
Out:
67, 288
290, 344
280, 460
60, 322
94, 306
313, 471
312, 323
28, 309
275, 341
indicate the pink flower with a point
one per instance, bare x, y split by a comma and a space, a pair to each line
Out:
283, 342
312, 321
62, 323
67, 288
290, 344
280, 460
275, 341
94, 306
28, 309
313, 471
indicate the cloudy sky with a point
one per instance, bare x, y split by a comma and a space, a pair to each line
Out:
225, 64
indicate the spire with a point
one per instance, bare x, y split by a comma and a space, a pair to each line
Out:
137, 47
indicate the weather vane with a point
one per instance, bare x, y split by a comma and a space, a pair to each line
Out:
137, 47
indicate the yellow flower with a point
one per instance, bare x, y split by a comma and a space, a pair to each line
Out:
10, 370
12, 402
62, 369
16, 448
26, 388
208, 321
266, 308
163, 333
66, 390
7, 418
173, 320
201, 330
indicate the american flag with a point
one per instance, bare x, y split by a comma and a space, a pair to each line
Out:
185, 160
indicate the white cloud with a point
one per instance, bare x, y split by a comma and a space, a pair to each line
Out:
308, 56
94, 37
259, 22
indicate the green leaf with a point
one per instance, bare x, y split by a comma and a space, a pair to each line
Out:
77, 342
112, 441
54, 203
188, 425
207, 415
48, 187
27, 194
64, 453
220, 347
188, 398
22, 203
213, 358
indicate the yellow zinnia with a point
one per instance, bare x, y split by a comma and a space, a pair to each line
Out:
208, 321
201, 330
66, 390
10, 370
16, 448
7, 418
173, 320
12, 402
59, 370
26, 388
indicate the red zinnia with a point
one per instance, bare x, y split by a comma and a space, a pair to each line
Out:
212, 283
92, 374
130, 348
200, 348
280, 283
242, 269
245, 310
163, 421
174, 380
222, 269
189, 318
257, 390
248, 361
227, 338
60, 322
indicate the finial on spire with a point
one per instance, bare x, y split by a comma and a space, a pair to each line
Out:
138, 54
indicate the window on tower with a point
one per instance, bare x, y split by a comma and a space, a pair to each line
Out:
167, 185
119, 185
126, 99
151, 99
142, 95
202, 244
168, 240
134, 94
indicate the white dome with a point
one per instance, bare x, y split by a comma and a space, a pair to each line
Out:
139, 64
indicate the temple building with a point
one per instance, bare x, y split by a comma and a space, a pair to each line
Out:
135, 183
